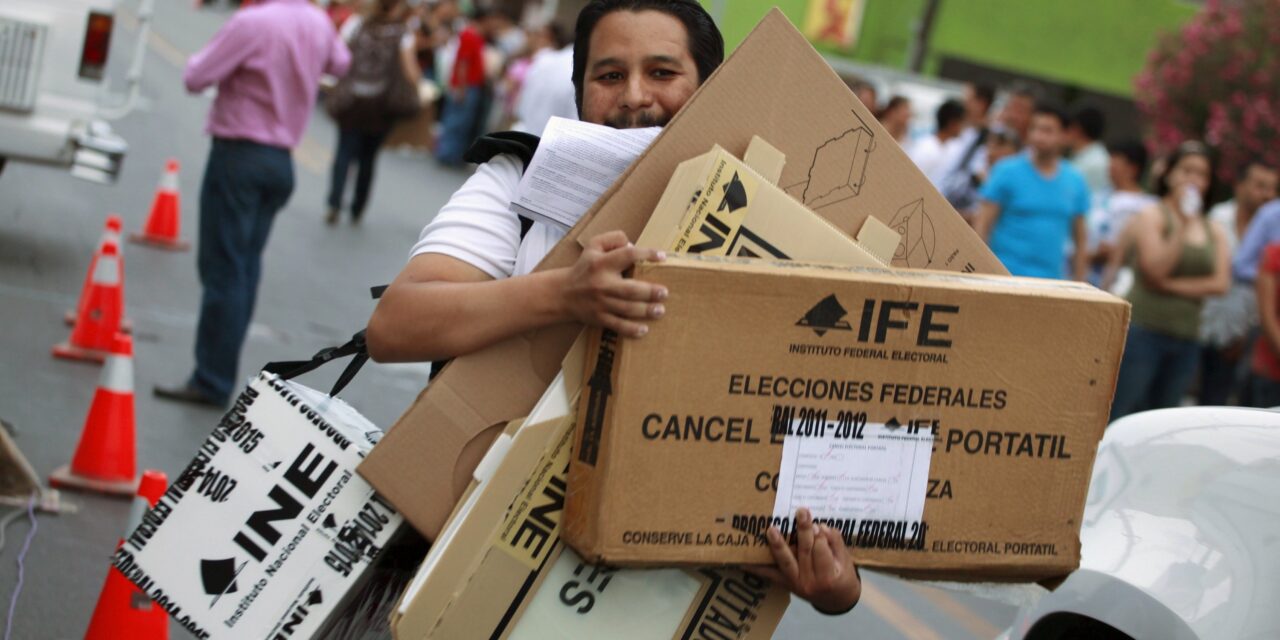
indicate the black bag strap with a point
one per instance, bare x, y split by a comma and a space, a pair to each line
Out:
356, 347
289, 369
517, 143
977, 143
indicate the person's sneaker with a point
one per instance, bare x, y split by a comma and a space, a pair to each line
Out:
187, 393
331, 218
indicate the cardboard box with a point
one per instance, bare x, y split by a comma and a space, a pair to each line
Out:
718, 205
269, 527
505, 574
978, 400
843, 165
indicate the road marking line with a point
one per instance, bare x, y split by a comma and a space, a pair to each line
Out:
313, 156
972, 622
158, 43
895, 614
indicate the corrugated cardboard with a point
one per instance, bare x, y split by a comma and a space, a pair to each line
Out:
1013, 376
269, 528
842, 164
507, 575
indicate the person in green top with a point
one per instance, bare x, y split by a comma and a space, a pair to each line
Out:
1178, 257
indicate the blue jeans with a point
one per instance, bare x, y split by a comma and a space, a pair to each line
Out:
245, 184
362, 148
459, 125
1155, 373
1266, 392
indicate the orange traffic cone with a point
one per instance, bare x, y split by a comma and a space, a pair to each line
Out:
110, 235
106, 458
123, 610
101, 306
162, 226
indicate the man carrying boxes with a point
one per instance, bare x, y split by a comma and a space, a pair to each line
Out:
479, 289
470, 284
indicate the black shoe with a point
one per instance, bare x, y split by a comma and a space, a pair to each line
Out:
331, 218
187, 393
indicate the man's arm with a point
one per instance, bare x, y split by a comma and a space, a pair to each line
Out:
339, 60
1080, 261
230, 47
441, 307
1250, 249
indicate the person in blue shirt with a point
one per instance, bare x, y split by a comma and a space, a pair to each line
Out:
1034, 202
1262, 231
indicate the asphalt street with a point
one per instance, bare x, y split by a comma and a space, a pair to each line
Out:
314, 294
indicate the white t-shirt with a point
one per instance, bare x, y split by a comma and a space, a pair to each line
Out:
933, 156
547, 91
478, 227
1093, 162
1108, 221
1224, 213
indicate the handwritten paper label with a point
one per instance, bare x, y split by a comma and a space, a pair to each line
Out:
881, 475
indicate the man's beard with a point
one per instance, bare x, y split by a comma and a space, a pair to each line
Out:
637, 120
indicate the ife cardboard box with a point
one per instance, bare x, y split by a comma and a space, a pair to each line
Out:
269, 528
499, 566
842, 164
946, 424
499, 569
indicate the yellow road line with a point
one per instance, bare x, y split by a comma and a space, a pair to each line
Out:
972, 622
895, 614
313, 156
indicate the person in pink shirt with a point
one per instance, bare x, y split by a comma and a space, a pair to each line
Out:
266, 63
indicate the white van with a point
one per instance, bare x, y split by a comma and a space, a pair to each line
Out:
54, 104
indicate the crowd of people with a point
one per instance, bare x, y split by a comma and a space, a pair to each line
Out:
486, 70
1053, 200
1036, 182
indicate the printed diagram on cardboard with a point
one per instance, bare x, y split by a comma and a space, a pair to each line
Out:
919, 239
839, 167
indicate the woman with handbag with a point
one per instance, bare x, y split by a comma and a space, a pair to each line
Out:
380, 88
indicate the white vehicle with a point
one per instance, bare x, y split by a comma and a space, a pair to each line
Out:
1181, 533
54, 104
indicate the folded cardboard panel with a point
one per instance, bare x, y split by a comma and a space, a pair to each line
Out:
842, 164
521, 583
945, 423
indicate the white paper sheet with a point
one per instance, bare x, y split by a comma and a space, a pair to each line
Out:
575, 163
882, 476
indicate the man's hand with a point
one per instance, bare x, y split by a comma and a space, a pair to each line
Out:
818, 568
595, 291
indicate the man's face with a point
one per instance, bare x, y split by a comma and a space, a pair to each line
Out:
1045, 136
1121, 171
1017, 113
639, 71
975, 108
1258, 186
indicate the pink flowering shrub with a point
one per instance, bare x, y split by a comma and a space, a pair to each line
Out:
1217, 80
